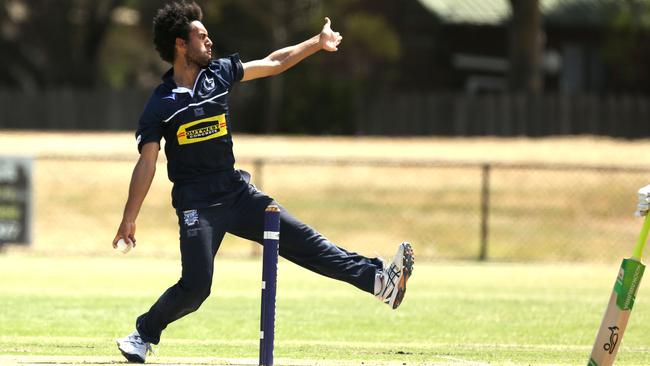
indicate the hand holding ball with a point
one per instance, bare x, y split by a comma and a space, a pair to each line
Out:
123, 246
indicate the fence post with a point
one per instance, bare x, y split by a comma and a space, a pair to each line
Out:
485, 210
258, 170
258, 174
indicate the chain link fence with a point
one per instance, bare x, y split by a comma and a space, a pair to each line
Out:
475, 211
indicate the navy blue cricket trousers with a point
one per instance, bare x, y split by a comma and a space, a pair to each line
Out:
201, 233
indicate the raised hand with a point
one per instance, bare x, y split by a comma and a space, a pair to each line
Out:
329, 40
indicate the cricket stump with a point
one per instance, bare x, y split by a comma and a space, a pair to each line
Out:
269, 282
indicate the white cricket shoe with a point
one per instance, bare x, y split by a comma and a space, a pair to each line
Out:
134, 348
392, 285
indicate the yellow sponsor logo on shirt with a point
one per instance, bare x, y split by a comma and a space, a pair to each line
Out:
202, 130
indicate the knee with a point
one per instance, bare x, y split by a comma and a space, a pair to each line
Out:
198, 297
195, 293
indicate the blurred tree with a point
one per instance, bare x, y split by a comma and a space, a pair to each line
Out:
626, 48
367, 63
314, 96
47, 43
526, 44
280, 22
107, 43
128, 58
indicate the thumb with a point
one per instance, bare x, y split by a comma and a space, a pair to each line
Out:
117, 238
328, 23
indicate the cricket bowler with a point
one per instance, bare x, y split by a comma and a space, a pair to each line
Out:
189, 109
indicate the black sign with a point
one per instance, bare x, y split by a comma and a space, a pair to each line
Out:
15, 200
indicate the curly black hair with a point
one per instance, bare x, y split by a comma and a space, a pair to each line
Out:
171, 22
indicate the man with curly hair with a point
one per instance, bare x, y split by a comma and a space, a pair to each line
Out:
190, 111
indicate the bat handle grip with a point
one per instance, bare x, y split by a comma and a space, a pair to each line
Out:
640, 244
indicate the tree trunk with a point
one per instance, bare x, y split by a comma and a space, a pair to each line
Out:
276, 84
526, 43
97, 30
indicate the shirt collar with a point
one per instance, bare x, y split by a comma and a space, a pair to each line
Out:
168, 79
182, 89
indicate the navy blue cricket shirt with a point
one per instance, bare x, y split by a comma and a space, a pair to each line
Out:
196, 127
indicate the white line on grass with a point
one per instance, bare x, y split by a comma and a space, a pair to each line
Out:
44, 341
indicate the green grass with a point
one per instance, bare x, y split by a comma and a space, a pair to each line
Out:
454, 313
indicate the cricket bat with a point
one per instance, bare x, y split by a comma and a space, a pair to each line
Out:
620, 304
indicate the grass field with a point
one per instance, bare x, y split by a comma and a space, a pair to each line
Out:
534, 214
66, 298
69, 310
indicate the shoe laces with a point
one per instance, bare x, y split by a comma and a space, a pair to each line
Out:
389, 278
391, 275
136, 339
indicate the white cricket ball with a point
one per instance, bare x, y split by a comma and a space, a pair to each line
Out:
123, 247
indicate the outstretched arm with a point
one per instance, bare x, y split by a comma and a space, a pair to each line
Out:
282, 59
141, 179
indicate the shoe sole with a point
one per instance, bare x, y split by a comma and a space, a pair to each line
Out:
407, 270
129, 356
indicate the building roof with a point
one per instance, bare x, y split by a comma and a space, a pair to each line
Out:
496, 12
